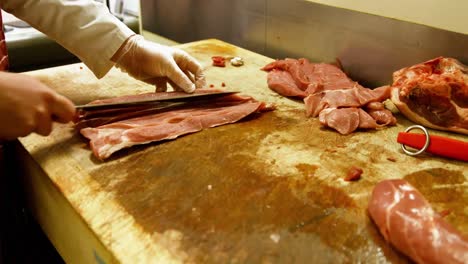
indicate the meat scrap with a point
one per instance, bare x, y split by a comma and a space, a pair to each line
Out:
354, 174
406, 219
433, 94
339, 102
219, 61
163, 124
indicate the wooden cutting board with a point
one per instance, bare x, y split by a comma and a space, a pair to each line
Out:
268, 189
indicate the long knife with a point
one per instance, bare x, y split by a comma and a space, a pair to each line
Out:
155, 101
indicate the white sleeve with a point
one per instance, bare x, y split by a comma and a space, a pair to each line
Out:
84, 27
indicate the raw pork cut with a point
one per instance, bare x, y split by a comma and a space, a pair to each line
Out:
434, 94
328, 93
406, 219
156, 124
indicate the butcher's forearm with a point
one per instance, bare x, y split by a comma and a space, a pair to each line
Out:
84, 27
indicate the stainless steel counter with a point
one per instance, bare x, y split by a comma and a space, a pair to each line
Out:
370, 47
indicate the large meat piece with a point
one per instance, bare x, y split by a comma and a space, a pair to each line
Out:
433, 94
357, 96
307, 77
346, 120
149, 125
406, 219
340, 102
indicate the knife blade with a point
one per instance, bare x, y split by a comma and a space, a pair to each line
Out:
156, 101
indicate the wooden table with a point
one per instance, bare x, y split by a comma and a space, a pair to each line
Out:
269, 189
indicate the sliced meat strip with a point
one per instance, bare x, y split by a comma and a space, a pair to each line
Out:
312, 77
366, 120
107, 139
282, 83
357, 96
383, 117
343, 120
406, 219
317, 102
347, 120
94, 118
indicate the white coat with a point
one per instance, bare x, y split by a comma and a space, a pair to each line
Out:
84, 27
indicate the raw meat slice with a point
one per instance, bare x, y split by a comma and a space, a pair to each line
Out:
93, 118
282, 83
343, 120
325, 86
433, 94
406, 219
163, 125
354, 97
383, 117
311, 77
347, 120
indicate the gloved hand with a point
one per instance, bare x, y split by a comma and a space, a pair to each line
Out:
158, 64
27, 105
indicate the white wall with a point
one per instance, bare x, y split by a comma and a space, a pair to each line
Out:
443, 14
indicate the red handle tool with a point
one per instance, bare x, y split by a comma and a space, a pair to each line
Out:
438, 145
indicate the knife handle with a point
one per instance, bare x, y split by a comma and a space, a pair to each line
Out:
438, 145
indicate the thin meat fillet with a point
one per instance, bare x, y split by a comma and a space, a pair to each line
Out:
168, 124
406, 219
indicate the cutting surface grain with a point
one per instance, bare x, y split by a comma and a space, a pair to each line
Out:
269, 189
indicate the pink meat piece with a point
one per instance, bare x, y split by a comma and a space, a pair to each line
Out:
326, 86
282, 83
406, 219
347, 120
366, 120
329, 77
383, 117
312, 77
163, 125
343, 120
357, 96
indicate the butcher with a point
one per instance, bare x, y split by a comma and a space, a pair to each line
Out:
100, 41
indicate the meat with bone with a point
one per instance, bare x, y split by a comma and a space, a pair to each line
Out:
406, 219
163, 125
326, 88
434, 94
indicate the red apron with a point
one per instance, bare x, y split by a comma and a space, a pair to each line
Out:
3, 48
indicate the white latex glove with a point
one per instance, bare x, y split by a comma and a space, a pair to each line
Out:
158, 64
27, 105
